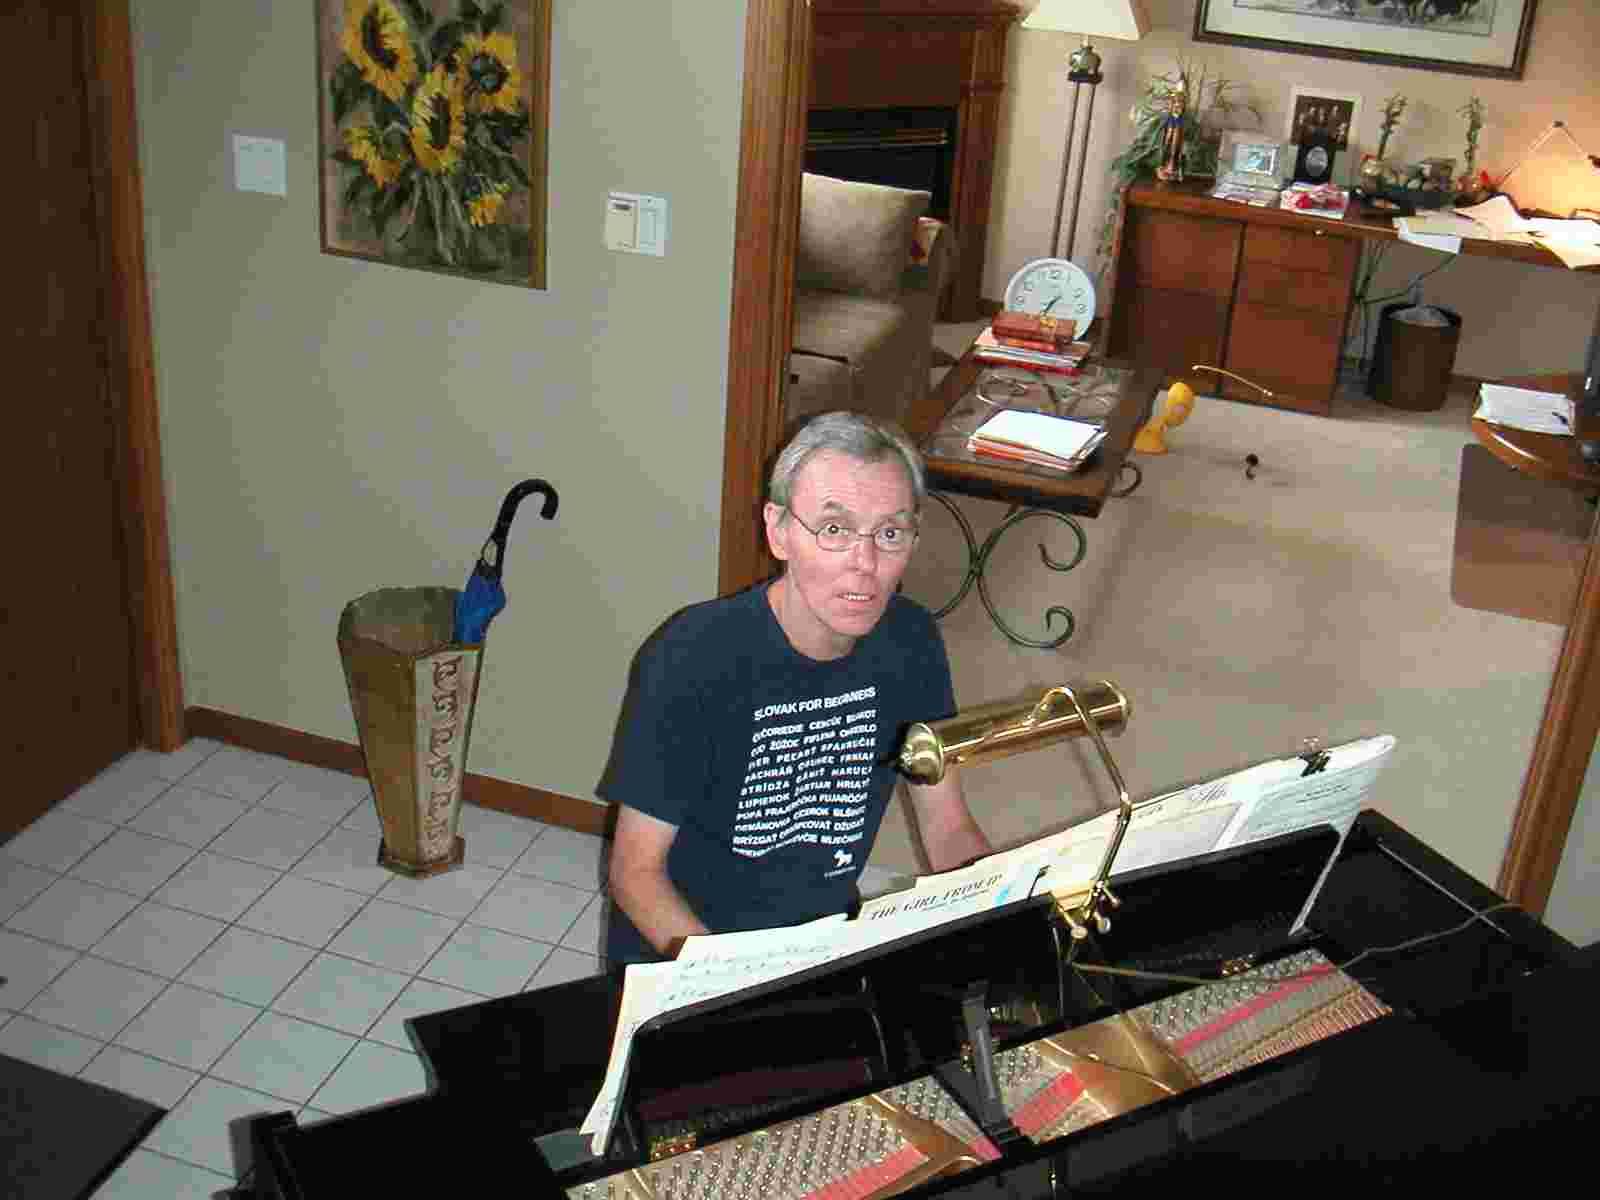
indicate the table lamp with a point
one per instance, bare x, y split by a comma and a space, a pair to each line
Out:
1556, 127
1122, 19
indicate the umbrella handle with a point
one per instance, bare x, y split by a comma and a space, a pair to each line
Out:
508, 512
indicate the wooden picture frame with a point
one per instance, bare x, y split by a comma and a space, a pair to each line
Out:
1479, 37
433, 128
1337, 113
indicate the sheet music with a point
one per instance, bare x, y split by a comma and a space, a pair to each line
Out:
1258, 802
1283, 799
706, 967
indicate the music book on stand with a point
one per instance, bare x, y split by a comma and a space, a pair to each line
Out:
1037, 438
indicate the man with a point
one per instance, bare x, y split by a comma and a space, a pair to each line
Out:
755, 760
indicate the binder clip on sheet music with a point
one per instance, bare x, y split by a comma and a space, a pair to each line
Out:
1075, 865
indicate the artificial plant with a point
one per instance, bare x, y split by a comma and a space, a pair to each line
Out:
1209, 104
1472, 110
1393, 108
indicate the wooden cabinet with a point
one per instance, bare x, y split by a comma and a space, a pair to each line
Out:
1261, 292
1290, 307
1173, 300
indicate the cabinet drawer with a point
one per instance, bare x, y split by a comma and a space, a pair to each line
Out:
1291, 287
1300, 250
1170, 329
1294, 353
1181, 253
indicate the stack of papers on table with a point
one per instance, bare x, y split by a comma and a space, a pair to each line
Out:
1576, 243
1038, 439
1524, 408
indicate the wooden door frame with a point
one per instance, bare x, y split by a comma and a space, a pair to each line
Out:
772, 143
1559, 762
107, 38
777, 59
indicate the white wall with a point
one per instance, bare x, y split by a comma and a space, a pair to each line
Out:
1515, 318
332, 426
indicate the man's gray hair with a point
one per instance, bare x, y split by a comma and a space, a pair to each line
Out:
854, 435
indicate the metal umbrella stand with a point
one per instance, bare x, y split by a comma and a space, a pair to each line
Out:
412, 689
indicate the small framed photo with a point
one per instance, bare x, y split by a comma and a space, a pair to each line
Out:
1333, 115
1250, 159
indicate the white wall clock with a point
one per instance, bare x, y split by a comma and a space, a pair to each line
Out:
1053, 287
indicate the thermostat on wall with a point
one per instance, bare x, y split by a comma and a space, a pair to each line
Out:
636, 223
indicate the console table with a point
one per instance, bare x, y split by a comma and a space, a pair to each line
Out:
1264, 292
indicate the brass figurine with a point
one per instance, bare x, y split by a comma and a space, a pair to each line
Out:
1171, 168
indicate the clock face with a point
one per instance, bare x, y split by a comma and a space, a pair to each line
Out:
1053, 287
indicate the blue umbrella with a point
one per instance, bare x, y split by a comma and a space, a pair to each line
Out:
484, 596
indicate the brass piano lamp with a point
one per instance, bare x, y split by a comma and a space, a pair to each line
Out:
1000, 729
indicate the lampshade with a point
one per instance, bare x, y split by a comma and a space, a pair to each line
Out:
1123, 19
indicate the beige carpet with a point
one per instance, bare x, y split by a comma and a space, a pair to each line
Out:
1244, 615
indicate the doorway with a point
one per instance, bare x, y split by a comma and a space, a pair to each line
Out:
777, 81
90, 638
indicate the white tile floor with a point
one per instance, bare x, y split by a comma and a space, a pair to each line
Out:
208, 930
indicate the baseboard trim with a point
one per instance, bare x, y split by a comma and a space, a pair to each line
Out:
553, 808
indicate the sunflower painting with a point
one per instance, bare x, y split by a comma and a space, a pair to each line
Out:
433, 122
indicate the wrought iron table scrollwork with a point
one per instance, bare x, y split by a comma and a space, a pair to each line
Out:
978, 559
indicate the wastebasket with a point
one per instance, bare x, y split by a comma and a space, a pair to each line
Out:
1414, 355
413, 691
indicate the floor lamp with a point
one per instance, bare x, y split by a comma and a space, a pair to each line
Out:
1122, 19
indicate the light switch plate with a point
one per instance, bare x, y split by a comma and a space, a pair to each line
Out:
259, 165
636, 223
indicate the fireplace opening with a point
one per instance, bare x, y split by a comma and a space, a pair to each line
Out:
899, 147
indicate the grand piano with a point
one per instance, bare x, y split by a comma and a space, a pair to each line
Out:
1415, 1030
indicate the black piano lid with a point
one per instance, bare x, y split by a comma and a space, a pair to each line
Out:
1480, 1075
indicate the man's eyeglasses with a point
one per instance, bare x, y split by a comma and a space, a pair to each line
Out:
837, 537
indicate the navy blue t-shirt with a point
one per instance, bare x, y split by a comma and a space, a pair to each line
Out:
775, 768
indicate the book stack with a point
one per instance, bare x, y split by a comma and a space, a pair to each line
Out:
1001, 351
1036, 439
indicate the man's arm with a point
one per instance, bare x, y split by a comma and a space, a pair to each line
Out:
639, 882
949, 834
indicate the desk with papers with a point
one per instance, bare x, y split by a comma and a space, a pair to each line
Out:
1522, 534
1576, 242
1265, 292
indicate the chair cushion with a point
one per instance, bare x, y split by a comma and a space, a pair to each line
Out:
884, 343
846, 328
855, 237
